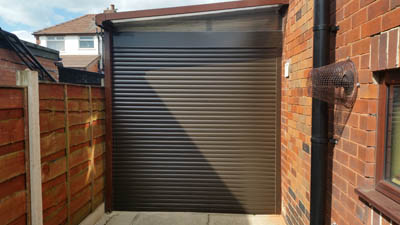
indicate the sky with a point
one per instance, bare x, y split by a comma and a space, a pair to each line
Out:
23, 17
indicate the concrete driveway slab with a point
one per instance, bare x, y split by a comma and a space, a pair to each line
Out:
267, 220
171, 218
122, 218
243, 219
229, 219
186, 218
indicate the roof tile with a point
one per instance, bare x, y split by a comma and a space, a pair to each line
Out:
81, 25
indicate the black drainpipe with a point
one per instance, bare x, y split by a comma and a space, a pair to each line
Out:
319, 138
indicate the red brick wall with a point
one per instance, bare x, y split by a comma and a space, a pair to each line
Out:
367, 27
296, 113
10, 63
13, 172
94, 67
72, 168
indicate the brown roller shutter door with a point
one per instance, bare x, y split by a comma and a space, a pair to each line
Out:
195, 122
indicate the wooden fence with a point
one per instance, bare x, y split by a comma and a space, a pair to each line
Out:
72, 150
72, 146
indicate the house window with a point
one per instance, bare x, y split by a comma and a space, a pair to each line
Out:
86, 42
392, 170
388, 154
56, 42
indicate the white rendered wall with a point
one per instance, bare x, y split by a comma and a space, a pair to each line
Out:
72, 46
43, 41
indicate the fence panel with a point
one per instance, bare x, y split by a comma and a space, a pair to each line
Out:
53, 144
14, 184
72, 142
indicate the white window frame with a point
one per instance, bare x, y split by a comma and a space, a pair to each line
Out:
86, 39
54, 39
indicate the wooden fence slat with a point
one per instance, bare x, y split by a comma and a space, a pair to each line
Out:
54, 168
27, 159
11, 131
54, 196
51, 91
56, 216
12, 165
13, 185
11, 98
67, 153
92, 167
13, 207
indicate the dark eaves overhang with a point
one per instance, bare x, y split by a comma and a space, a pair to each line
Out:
103, 19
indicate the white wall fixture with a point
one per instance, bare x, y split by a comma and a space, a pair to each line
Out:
287, 68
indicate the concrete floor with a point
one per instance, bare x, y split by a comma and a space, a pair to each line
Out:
173, 218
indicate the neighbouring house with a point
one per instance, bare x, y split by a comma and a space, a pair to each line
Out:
79, 42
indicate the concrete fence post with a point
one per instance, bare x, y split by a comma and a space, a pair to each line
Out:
29, 79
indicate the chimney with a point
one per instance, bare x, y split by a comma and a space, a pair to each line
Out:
111, 9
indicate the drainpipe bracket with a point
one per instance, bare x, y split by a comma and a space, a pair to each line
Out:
317, 140
321, 27
333, 141
331, 28
335, 29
